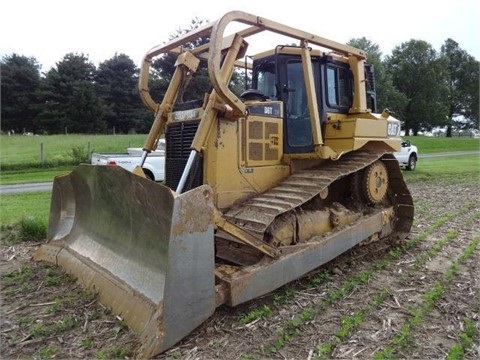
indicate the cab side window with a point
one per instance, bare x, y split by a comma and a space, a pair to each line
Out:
339, 89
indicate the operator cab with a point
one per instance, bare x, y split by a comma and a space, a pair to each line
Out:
278, 76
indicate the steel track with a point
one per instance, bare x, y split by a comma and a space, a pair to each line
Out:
258, 213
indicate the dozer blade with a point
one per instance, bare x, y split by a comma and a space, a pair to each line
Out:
146, 251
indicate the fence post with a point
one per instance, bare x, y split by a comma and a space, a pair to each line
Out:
42, 158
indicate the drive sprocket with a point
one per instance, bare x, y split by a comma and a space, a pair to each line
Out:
376, 182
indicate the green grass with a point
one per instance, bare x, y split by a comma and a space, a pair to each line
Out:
287, 332
32, 229
24, 216
466, 340
452, 166
26, 159
114, 353
20, 156
429, 145
404, 339
48, 352
15, 207
262, 312
32, 175
350, 323
18, 149
17, 277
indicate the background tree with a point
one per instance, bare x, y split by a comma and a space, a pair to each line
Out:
86, 110
419, 73
387, 95
423, 88
117, 84
71, 101
199, 84
19, 93
462, 85
164, 66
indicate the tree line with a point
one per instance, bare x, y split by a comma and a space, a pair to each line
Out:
423, 88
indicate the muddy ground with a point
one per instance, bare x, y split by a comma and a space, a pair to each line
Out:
417, 300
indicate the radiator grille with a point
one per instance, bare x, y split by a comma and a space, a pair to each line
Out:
179, 137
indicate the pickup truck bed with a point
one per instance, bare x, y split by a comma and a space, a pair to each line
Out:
154, 166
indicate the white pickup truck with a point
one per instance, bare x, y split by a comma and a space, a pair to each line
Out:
154, 166
407, 156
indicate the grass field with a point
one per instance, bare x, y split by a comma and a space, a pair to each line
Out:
14, 207
464, 165
18, 149
429, 145
32, 175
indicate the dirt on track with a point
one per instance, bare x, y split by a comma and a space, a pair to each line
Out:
416, 300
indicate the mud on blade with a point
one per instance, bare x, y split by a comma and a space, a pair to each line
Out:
146, 251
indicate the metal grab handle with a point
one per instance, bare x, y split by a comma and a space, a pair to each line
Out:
186, 171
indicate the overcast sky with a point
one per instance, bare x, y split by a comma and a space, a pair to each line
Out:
49, 29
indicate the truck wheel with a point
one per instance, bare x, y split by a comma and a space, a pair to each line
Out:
148, 174
412, 163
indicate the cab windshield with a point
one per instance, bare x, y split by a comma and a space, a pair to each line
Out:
266, 79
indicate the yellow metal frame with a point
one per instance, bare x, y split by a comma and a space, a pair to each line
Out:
238, 164
213, 51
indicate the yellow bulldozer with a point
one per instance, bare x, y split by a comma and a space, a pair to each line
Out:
260, 188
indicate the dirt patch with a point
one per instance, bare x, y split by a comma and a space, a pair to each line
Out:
46, 314
420, 299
